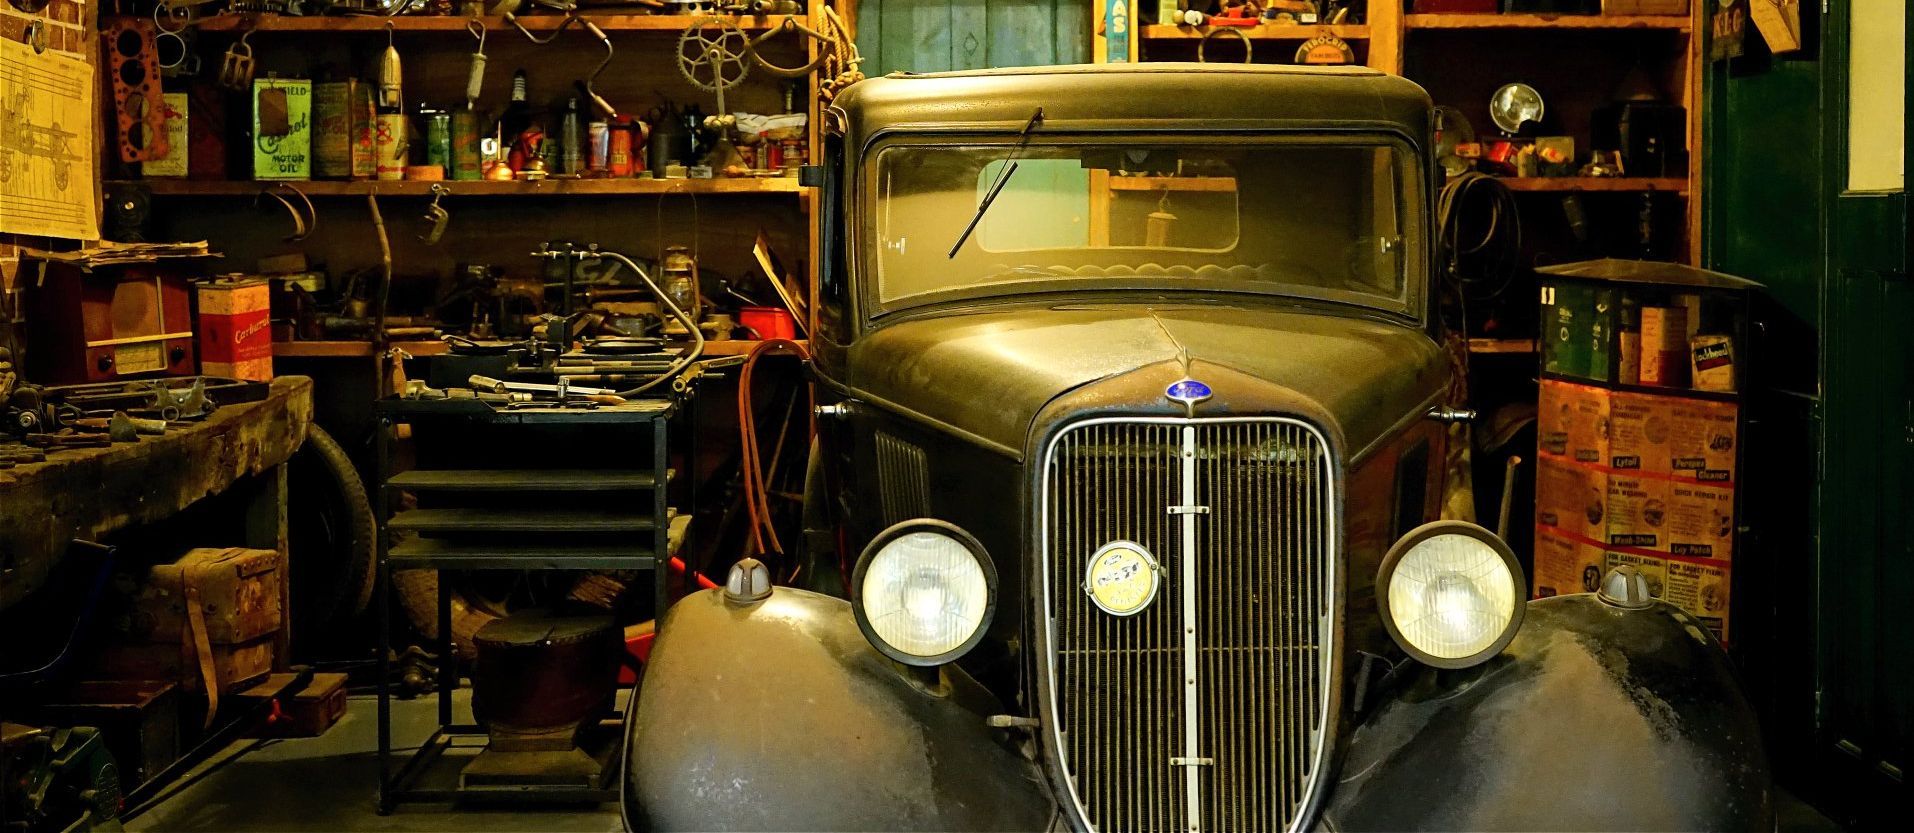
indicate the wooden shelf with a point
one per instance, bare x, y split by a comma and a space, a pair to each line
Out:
1506, 346
1670, 22
456, 24
1155, 184
1264, 31
543, 188
1596, 183
351, 349
362, 349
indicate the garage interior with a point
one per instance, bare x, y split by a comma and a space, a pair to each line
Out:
533, 415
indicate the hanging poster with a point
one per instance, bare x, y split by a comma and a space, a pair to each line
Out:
46, 144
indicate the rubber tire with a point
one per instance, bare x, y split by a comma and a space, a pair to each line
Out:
419, 594
340, 498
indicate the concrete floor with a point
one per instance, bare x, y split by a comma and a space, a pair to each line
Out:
328, 783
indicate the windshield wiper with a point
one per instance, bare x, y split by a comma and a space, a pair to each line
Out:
990, 196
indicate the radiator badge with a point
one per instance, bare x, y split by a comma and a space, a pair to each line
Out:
1123, 578
1188, 391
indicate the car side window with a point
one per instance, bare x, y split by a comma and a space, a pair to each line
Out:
833, 312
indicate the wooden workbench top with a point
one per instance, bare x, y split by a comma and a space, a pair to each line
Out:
93, 492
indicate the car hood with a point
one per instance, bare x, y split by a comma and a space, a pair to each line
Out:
990, 375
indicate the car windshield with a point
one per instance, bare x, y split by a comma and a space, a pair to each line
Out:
1323, 218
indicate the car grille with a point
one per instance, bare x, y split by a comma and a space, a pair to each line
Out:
1247, 601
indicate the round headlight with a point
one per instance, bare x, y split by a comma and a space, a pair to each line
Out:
925, 591
1451, 594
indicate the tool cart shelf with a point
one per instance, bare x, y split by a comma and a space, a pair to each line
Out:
515, 488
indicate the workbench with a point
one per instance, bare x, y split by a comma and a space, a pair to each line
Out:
91, 493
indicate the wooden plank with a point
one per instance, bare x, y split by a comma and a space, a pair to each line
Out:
352, 349
969, 34
466, 520
1505, 346
662, 23
544, 188
519, 480
1595, 183
93, 492
1154, 184
1546, 21
1265, 31
1385, 37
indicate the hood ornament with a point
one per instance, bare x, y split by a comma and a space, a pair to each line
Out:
1188, 391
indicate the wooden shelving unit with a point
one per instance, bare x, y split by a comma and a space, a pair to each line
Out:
1545, 21
361, 349
1265, 31
542, 188
717, 218
455, 24
1676, 185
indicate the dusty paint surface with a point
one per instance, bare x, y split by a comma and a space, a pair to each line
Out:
1595, 718
780, 716
91, 493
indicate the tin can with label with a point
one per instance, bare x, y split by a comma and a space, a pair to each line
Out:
467, 165
618, 160
438, 139
598, 146
389, 145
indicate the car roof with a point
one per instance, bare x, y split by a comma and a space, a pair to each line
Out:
1146, 96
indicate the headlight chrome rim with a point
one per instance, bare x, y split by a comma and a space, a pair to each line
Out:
1408, 543
899, 530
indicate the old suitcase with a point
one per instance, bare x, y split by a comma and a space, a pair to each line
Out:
228, 636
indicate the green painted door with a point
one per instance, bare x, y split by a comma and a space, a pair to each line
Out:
942, 35
1785, 203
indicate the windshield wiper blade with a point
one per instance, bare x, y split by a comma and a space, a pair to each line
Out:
990, 196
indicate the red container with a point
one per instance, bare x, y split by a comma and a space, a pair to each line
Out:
768, 322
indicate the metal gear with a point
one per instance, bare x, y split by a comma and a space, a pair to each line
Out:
714, 55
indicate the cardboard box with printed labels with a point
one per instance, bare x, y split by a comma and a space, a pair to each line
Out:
1637, 511
1573, 421
1702, 588
1701, 520
1571, 499
1704, 437
1564, 566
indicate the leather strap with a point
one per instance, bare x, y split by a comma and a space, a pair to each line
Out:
202, 645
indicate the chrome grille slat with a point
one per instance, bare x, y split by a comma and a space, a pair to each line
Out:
1263, 569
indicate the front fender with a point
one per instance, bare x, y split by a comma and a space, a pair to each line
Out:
779, 715
1595, 718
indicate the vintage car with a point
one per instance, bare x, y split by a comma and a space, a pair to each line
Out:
1133, 428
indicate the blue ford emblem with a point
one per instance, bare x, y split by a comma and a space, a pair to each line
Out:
1188, 391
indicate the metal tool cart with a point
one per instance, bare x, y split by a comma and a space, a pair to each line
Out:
528, 487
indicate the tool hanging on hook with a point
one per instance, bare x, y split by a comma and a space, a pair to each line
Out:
236, 71
304, 218
475, 78
391, 74
436, 216
598, 102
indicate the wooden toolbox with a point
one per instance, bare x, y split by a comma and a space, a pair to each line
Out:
238, 621
306, 713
